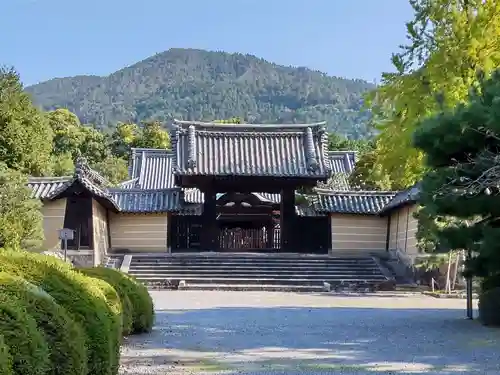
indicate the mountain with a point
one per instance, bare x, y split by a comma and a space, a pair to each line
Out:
192, 84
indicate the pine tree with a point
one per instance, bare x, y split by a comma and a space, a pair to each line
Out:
462, 186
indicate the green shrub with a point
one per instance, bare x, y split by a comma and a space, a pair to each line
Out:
79, 295
5, 358
489, 307
26, 343
120, 283
144, 312
115, 314
142, 303
66, 339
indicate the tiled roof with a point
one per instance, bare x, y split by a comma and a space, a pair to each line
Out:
43, 187
409, 195
152, 201
152, 168
51, 188
352, 202
250, 150
342, 161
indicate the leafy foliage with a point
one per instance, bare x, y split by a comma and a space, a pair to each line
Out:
449, 41
20, 216
461, 146
115, 279
82, 298
25, 135
5, 358
26, 343
194, 84
65, 338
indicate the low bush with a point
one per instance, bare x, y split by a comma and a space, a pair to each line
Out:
119, 282
115, 314
5, 358
489, 307
144, 312
65, 338
26, 343
141, 302
81, 296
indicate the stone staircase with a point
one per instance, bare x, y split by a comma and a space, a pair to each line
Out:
270, 272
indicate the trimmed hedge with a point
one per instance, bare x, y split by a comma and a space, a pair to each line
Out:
66, 339
144, 312
79, 295
115, 314
27, 345
141, 302
5, 359
117, 281
489, 307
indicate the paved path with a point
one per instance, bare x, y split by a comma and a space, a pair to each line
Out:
287, 333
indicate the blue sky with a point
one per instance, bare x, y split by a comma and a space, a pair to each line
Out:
44, 39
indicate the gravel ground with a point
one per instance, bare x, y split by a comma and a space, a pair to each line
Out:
288, 333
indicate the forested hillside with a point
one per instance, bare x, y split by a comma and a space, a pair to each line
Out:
200, 85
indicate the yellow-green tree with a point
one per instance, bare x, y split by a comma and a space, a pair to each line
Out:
450, 41
25, 135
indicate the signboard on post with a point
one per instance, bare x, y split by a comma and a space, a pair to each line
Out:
65, 235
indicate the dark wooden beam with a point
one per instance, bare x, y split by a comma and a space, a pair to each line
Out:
287, 220
209, 229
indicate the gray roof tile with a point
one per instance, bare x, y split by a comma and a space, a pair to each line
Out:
250, 150
352, 202
153, 200
152, 168
51, 188
43, 187
409, 195
342, 161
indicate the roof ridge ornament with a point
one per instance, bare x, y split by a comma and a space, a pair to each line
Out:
81, 165
312, 162
191, 162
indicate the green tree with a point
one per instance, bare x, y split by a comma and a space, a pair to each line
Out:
367, 175
25, 135
449, 41
232, 120
20, 216
461, 185
113, 168
337, 142
74, 139
123, 138
67, 132
152, 135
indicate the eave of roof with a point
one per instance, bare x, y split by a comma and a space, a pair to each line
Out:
285, 150
352, 202
402, 198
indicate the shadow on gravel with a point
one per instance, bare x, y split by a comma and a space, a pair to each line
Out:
315, 340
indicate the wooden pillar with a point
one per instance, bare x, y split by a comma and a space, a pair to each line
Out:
209, 227
169, 232
270, 234
287, 220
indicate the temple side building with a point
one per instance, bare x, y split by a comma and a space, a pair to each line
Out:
228, 187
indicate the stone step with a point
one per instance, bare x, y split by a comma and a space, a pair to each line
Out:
251, 264
247, 258
250, 288
258, 281
252, 272
212, 275
270, 267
